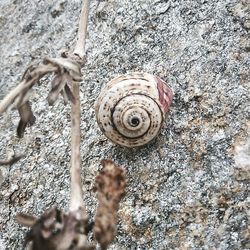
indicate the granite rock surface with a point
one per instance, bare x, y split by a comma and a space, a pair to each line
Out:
189, 188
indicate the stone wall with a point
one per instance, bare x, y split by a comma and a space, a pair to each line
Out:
188, 188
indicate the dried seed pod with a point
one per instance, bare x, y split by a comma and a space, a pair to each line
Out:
131, 108
110, 186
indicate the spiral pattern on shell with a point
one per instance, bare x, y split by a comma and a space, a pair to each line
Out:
131, 108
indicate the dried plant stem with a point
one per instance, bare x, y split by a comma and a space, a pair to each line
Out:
76, 187
75, 172
55, 229
37, 73
11, 96
82, 32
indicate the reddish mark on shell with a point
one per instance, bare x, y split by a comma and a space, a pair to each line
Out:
165, 94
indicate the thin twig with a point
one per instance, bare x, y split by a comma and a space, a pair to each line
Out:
75, 171
76, 187
82, 32
56, 230
37, 73
65, 70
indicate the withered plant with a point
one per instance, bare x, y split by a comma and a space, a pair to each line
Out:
57, 230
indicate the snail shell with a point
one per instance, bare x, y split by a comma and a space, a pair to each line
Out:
131, 108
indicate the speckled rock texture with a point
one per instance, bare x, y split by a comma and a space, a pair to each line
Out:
188, 189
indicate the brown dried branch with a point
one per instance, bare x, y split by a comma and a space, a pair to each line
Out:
82, 32
55, 230
65, 70
75, 171
110, 186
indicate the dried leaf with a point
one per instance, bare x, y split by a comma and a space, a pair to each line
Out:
27, 118
66, 65
66, 71
69, 94
65, 97
56, 230
22, 98
110, 186
26, 219
58, 84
